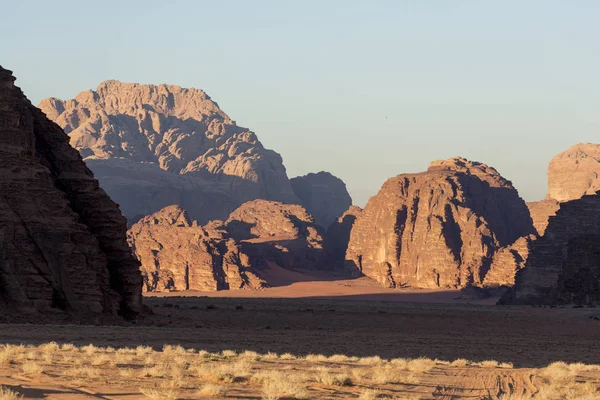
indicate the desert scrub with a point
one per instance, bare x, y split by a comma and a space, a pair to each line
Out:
211, 390
277, 384
326, 377
8, 394
158, 394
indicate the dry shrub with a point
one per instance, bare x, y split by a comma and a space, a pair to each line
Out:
228, 373
572, 391
506, 365
373, 360
558, 372
32, 368
173, 350
68, 347
89, 349
383, 374
276, 385
102, 360
229, 353
8, 394
159, 394
460, 362
157, 371
211, 390
326, 377
421, 365
399, 362
143, 350
488, 364
360, 375
287, 356
315, 358
82, 372
368, 394
127, 372
339, 358
250, 355
50, 347
270, 356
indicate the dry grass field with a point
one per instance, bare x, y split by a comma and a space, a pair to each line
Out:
65, 371
338, 347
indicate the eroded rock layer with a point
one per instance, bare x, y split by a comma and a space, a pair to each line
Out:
540, 211
178, 254
440, 228
62, 239
563, 266
153, 146
323, 195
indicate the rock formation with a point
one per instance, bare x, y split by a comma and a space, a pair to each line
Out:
153, 146
338, 236
440, 228
62, 239
563, 266
179, 254
540, 212
323, 195
574, 172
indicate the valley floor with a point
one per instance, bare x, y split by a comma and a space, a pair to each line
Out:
401, 325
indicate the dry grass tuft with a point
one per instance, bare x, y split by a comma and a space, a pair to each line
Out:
287, 356
488, 364
8, 394
315, 358
276, 385
369, 394
374, 360
32, 368
460, 362
383, 374
211, 390
158, 394
326, 377
420, 365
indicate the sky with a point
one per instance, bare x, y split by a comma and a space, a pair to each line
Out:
363, 89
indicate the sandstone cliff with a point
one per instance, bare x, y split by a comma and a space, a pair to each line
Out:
178, 254
563, 266
440, 228
323, 195
540, 212
62, 240
574, 172
153, 146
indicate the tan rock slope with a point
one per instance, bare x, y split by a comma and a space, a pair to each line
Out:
574, 172
540, 211
179, 254
153, 146
62, 239
563, 266
441, 228
323, 195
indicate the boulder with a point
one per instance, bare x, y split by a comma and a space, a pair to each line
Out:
440, 228
62, 239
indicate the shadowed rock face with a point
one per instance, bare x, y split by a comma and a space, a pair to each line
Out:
62, 239
574, 172
153, 146
323, 195
178, 254
338, 236
563, 266
440, 228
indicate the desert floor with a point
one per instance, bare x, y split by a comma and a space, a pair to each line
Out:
349, 318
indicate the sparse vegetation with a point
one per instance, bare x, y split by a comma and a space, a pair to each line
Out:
176, 372
9, 394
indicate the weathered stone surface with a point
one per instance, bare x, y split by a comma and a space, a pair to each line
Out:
178, 254
540, 212
507, 261
338, 236
323, 195
563, 266
153, 146
62, 239
439, 228
574, 172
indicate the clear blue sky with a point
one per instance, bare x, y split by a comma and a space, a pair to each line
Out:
363, 89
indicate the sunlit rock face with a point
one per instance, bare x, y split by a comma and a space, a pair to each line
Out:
153, 146
443, 228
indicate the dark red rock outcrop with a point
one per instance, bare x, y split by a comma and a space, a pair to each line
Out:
179, 254
323, 195
440, 228
153, 146
563, 266
62, 239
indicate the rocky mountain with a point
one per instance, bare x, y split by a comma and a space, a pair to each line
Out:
62, 239
178, 254
154, 146
338, 236
563, 266
574, 172
442, 228
323, 195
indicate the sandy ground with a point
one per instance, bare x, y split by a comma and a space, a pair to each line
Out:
353, 318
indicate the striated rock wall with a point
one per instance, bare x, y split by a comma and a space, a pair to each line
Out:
440, 228
540, 211
62, 240
563, 266
179, 254
141, 139
323, 195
